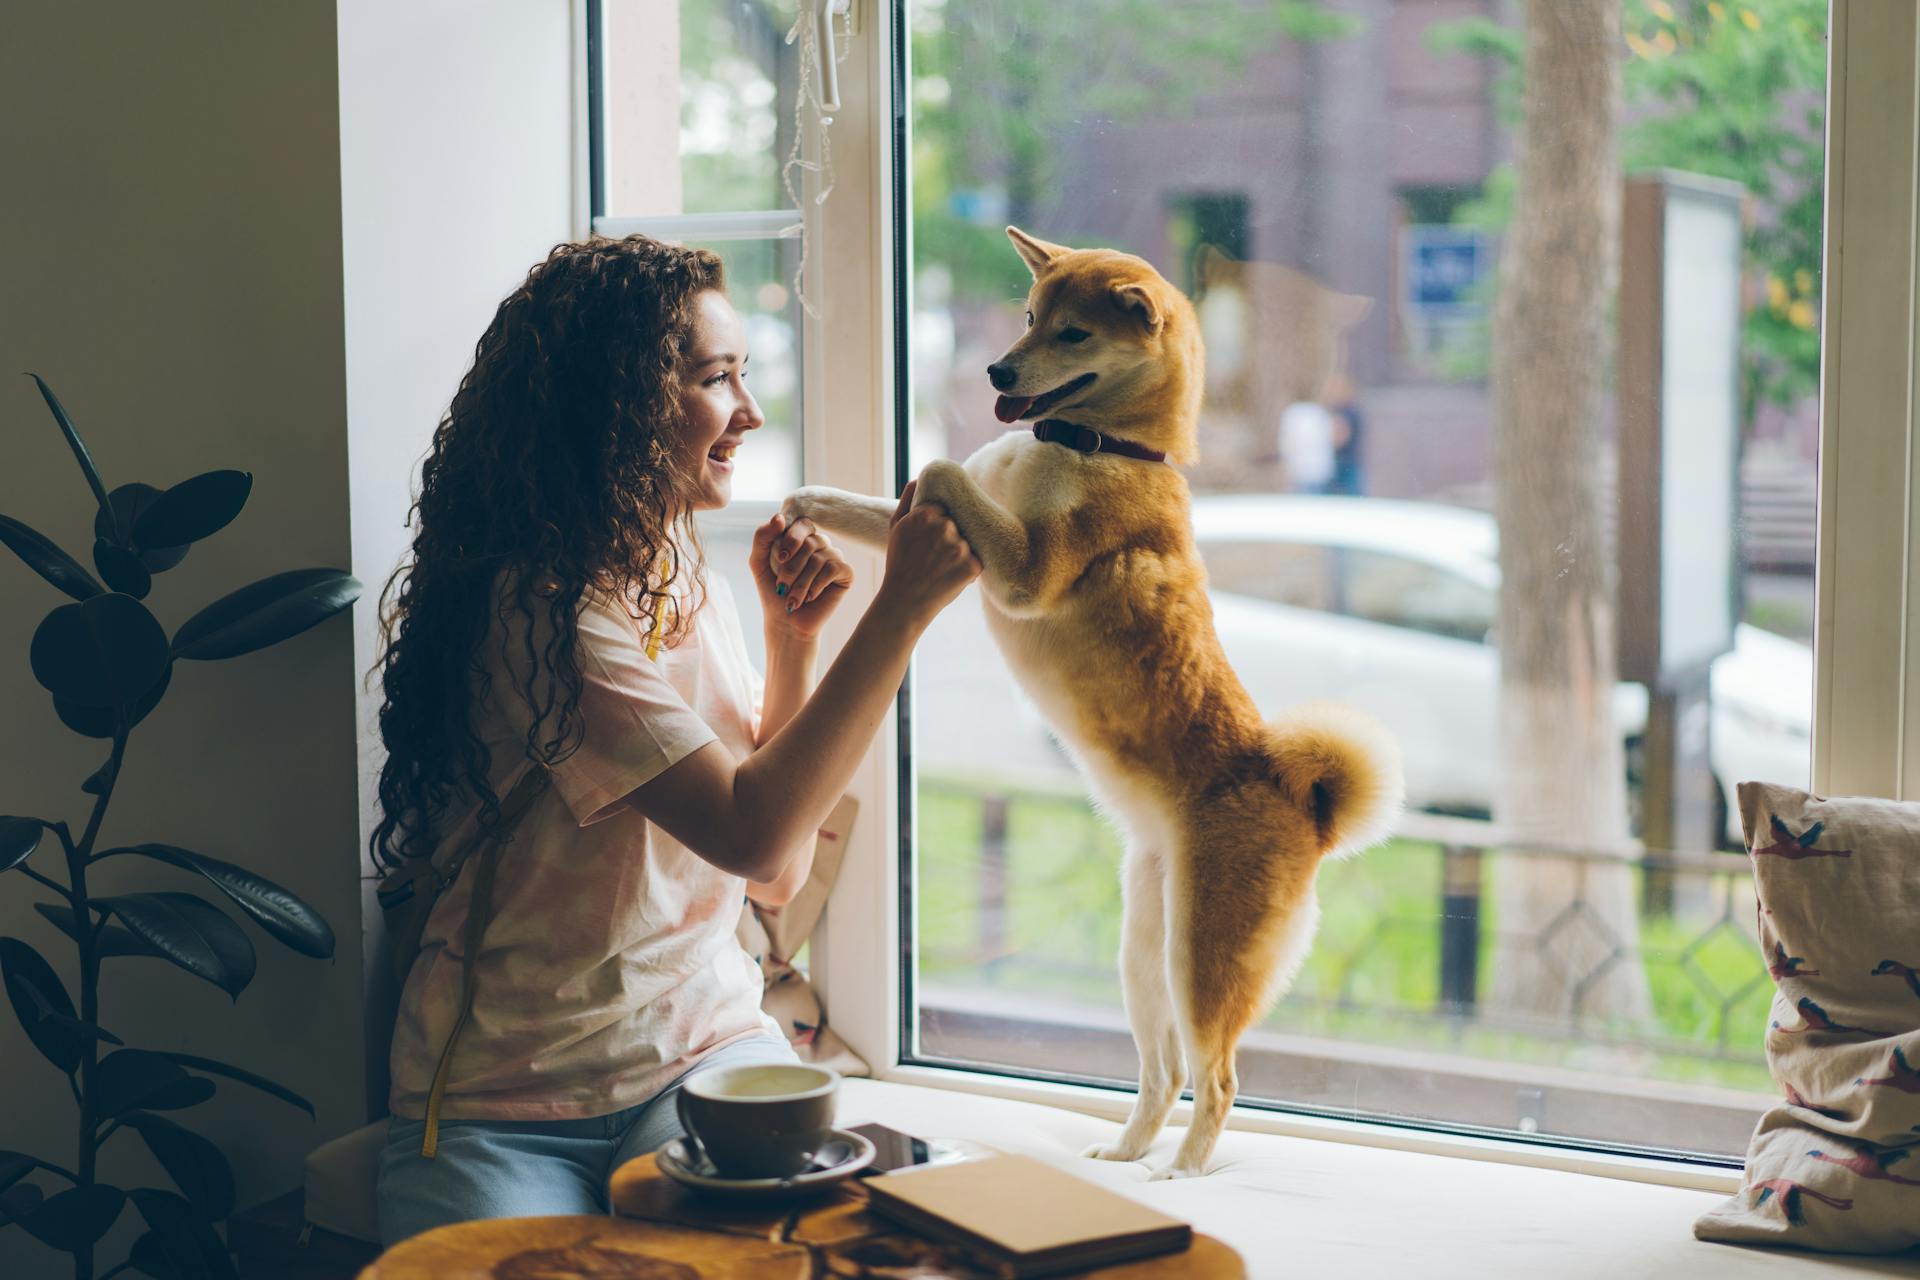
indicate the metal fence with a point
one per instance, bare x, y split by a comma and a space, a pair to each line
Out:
1432, 902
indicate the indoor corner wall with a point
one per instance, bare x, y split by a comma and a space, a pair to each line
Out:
264, 237
456, 176
169, 246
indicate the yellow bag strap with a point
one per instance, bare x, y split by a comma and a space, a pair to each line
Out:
519, 800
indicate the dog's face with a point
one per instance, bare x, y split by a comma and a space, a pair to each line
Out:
1097, 325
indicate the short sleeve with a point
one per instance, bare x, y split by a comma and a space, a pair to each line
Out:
635, 725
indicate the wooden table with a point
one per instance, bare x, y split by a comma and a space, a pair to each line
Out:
662, 1231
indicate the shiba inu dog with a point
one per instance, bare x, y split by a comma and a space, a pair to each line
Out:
1097, 597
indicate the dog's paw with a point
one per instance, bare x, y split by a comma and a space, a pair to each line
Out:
803, 502
1111, 1151
1172, 1171
936, 481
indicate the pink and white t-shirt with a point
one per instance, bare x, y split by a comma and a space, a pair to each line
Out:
610, 965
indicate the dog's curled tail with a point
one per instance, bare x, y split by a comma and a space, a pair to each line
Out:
1342, 767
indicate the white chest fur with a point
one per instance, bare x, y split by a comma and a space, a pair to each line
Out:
1027, 477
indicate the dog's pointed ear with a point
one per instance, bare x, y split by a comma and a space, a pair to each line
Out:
1139, 303
1035, 253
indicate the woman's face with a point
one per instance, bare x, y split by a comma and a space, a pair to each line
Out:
716, 408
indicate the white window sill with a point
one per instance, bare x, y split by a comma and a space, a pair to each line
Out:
1325, 1198
1109, 1104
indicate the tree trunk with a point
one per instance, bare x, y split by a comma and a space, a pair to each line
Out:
1568, 930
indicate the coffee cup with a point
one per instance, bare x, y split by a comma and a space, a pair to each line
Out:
760, 1121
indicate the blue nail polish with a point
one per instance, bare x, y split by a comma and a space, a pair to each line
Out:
780, 590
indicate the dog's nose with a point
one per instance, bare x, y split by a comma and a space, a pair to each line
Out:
1001, 375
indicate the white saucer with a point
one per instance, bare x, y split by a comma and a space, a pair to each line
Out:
674, 1161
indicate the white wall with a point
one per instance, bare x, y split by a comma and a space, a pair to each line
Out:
456, 176
266, 237
169, 246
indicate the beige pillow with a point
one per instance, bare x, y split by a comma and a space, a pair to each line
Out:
1837, 1164
774, 935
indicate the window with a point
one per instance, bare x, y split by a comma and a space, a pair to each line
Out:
1403, 592
1277, 572
1346, 274
723, 70
974, 922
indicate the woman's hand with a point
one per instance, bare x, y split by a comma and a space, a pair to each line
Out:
801, 577
928, 561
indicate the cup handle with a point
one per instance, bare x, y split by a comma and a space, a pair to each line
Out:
695, 1151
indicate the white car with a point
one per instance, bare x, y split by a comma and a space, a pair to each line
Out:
1387, 605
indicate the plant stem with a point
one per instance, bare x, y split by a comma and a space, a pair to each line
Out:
51, 1167
52, 884
87, 936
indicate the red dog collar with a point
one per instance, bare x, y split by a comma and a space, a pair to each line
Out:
1087, 440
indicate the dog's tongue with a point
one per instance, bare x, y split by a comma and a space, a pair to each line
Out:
1009, 408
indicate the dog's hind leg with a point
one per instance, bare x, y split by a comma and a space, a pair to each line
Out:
1231, 953
1143, 982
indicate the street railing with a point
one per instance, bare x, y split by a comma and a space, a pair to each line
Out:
1688, 925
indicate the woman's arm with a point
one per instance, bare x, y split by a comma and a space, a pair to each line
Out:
790, 679
791, 660
751, 816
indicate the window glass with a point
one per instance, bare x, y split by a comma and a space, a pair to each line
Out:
1277, 572
1403, 592
1404, 364
723, 69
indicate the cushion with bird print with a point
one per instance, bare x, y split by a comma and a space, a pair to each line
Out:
1836, 1163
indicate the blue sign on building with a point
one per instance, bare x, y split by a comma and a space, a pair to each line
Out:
1442, 266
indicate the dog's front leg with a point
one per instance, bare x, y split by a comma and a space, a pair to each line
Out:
1025, 571
850, 515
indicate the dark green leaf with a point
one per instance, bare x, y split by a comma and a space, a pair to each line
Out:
103, 652
18, 1202
182, 1240
19, 837
152, 1255
212, 1067
276, 910
116, 526
33, 986
193, 509
191, 932
48, 560
78, 445
196, 1166
100, 779
112, 940
133, 1079
98, 722
15, 1165
84, 1030
121, 569
77, 1217
265, 612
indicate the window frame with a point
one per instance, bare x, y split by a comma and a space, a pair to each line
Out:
1867, 628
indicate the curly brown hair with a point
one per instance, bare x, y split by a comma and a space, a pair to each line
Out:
550, 475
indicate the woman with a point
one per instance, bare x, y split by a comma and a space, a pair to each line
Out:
555, 612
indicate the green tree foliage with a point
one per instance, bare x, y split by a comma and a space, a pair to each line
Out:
1731, 90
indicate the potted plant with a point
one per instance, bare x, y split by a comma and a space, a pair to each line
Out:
107, 660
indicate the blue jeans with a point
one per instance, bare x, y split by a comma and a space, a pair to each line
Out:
513, 1169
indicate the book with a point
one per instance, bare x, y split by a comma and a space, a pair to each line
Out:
1028, 1218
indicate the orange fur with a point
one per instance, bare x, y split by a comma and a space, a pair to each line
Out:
1097, 597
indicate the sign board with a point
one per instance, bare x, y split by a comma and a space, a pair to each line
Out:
1441, 267
1677, 390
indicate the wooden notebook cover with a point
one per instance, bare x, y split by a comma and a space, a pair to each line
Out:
1024, 1209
